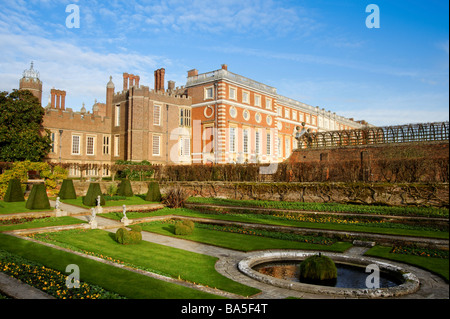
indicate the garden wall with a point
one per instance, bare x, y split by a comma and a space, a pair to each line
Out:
417, 194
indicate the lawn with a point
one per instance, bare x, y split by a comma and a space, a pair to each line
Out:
135, 200
242, 242
29, 223
16, 207
121, 281
439, 266
398, 229
168, 261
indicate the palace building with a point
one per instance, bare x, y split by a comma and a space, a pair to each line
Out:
217, 117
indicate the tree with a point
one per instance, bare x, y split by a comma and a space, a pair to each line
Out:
22, 135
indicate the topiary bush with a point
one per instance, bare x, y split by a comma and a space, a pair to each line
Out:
91, 196
67, 190
125, 188
129, 237
184, 228
38, 198
317, 269
14, 191
153, 193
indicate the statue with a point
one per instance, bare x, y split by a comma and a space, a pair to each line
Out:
124, 219
93, 222
99, 208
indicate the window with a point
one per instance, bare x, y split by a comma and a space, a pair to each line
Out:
279, 111
288, 146
258, 117
117, 122
294, 115
257, 142
301, 118
268, 104
258, 100
246, 115
157, 115
233, 112
245, 97
156, 146
209, 93
116, 145
52, 137
185, 146
279, 147
75, 145
245, 140
287, 113
269, 120
307, 118
268, 144
106, 144
185, 117
233, 93
90, 143
232, 139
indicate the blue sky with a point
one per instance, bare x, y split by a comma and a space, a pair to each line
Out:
318, 52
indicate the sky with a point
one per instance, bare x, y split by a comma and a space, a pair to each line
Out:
319, 52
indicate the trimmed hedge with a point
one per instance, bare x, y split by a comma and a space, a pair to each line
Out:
184, 228
91, 196
318, 268
125, 188
153, 193
14, 192
67, 190
38, 198
125, 237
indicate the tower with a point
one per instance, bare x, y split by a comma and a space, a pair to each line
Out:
30, 81
109, 97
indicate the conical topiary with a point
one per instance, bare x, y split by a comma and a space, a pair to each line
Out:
14, 192
38, 198
153, 193
91, 196
318, 268
125, 188
67, 190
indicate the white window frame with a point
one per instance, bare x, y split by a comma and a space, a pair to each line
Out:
233, 138
185, 146
257, 100
116, 145
233, 96
208, 93
78, 150
247, 95
268, 103
156, 137
157, 114
117, 115
92, 138
268, 143
287, 149
246, 140
294, 115
106, 144
287, 113
257, 142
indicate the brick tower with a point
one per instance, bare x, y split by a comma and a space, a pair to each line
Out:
30, 81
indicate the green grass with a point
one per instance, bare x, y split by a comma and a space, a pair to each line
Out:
135, 200
264, 219
327, 207
438, 266
123, 282
16, 207
240, 242
173, 262
9, 225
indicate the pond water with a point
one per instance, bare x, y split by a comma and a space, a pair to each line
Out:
348, 276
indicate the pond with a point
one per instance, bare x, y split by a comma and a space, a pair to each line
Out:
348, 276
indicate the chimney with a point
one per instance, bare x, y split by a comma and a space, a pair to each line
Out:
171, 85
159, 79
63, 100
125, 81
225, 67
58, 99
53, 94
137, 78
192, 72
131, 77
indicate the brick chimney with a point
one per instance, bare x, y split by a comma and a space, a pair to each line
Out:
159, 79
125, 81
192, 72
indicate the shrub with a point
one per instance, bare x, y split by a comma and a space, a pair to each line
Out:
153, 193
38, 198
67, 190
318, 268
189, 223
126, 237
91, 196
14, 191
182, 230
125, 188
176, 198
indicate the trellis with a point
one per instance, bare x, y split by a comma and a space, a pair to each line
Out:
425, 132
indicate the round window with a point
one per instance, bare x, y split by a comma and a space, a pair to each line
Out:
246, 115
258, 117
233, 112
269, 120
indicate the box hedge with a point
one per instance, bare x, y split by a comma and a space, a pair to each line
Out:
128, 237
38, 198
14, 192
67, 190
91, 196
153, 193
125, 188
